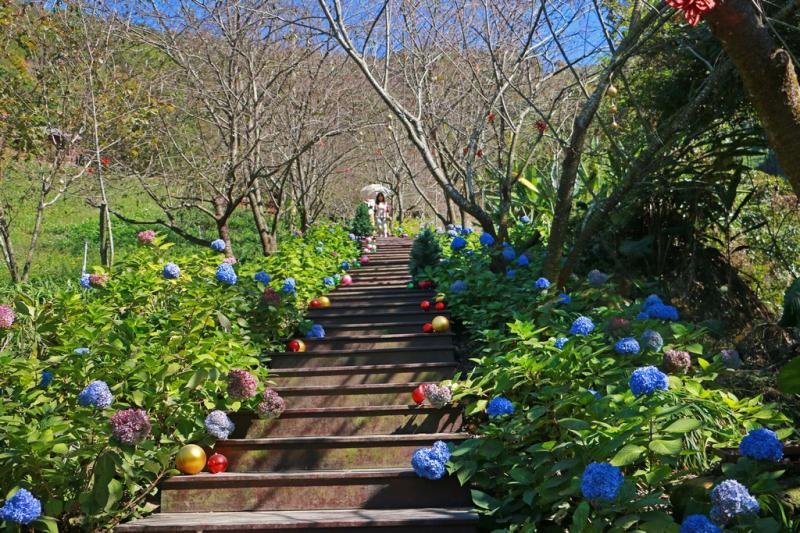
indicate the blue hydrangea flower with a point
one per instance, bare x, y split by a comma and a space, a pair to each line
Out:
564, 298
345, 265
486, 239
467, 231
81, 351
218, 245
509, 254
97, 394
542, 283
86, 282
22, 508
452, 232
651, 340
440, 451
328, 281
731, 498
523, 260
458, 227
597, 278
601, 481
582, 325
505, 245
458, 286
316, 332
226, 274
662, 312
647, 380
626, 345
289, 286
47, 378
451, 226
762, 444
642, 316
525, 219
426, 464
698, 523
597, 395
511, 273
171, 271
499, 406
651, 300
351, 236
218, 424
458, 243
262, 277
560, 342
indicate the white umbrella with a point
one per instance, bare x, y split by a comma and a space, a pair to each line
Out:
371, 191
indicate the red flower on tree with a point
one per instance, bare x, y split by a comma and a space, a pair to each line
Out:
105, 161
693, 9
490, 117
541, 125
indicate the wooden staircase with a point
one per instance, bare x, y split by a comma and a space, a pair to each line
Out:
339, 457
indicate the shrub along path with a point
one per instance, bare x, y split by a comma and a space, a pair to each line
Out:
339, 457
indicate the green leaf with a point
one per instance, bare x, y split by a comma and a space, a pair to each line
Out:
683, 425
627, 455
522, 475
114, 494
789, 377
695, 348
573, 423
483, 500
666, 447
197, 379
580, 518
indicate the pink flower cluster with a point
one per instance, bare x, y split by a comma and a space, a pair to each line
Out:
130, 426
241, 384
271, 297
437, 396
272, 406
98, 280
676, 361
146, 236
7, 317
693, 9
230, 261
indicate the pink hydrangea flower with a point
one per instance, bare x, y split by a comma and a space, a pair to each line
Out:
271, 297
677, 362
146, 236
437, 396
98, 280
229, 261
130, 426
7, 317
241, 384
272, 406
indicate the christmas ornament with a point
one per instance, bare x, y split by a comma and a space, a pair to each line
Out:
190, 459
440, 324
347, 280
357, 264
439, 306
410, 285
612, 91
337, 278
427, 328
324, 301
425, 305
365, 259
315, 304
439, 297
296, 345
425, 284
217, 463
419, 394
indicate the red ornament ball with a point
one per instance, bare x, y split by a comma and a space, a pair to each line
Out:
419, 394
439, 306
217, 463
296, 345
425, 305
315, 304
427, 328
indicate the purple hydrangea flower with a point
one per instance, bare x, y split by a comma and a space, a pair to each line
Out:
542, 283
731, 498
218, 425
96, 394
762, 444
21, 508
582, 325
647, 380
499, 406
130, 426
676, 361
171, 271
146, 237
7, 317
272, 405
698, 523
226, 274
241, 384
601, 481
218, 245
486, 239
437, 396
628, 345
262, 277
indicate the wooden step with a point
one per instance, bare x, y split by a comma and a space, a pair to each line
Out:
282, 454
331, 396
354, 420
355, 289
368, 342
392, 328
384, 356
342, 300
409, 316
337, 489
356, 375
368, 310
427, 520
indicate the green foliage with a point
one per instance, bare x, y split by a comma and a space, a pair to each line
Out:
362, 223
525, 469
425, 252
164, 346
791, 306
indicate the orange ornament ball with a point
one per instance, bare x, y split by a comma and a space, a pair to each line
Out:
296, 345
191, 459
425, 305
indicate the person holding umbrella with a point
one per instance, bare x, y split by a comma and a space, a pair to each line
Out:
381, 215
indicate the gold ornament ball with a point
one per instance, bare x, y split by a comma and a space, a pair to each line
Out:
613, 108
439, 297
191, 459
324, 301
612, 91
440, 324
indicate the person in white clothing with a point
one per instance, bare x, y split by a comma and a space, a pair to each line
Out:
381, 213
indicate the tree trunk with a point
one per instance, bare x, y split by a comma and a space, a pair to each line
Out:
8, 252
35, 233
222, 224
768, 75
268, 245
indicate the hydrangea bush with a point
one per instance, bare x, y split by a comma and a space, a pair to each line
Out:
102, 386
